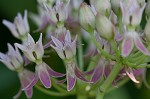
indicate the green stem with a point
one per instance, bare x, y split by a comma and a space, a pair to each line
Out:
82, 96
80, 53
120, 23
116, 69
122, 82
100, 48
100, 96
51, 93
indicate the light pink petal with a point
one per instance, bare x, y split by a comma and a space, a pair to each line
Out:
70, 82
61, 81
127, 46
98, 72
131, 76
140, 46
29, 93
80, 75
118, 37
44, 77
32, 83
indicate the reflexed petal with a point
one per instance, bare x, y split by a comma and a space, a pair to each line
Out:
127, 46
29, 93
32, 83
54, 73
57, 42
61, 81
98, 72
79, 75
70, 82
140, 46
44, 75
18, 94
89, 72
131, 76
118, 37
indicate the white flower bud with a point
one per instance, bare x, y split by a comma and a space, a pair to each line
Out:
87, 18
104, 27
115, 4
102, 6
147, 9
147, 30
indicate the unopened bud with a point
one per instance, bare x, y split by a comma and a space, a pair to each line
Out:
147, 9
87, 18
147, 30
104, 27
115, 4
102, 6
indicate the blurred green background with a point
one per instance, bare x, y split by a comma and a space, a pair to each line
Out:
9, 82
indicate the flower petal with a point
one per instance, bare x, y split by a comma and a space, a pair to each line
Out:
98, 72
29, 93
131, 75
127, 46
70, 82
140, 46
79, 74
43, 75
32, 83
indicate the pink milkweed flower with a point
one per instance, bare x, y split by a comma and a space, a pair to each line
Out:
14, 61
43, 73
20, 27
129, 40
131, 12
59, 13
34, 52
67, 51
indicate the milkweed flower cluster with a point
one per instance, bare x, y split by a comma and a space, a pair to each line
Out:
101, 46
